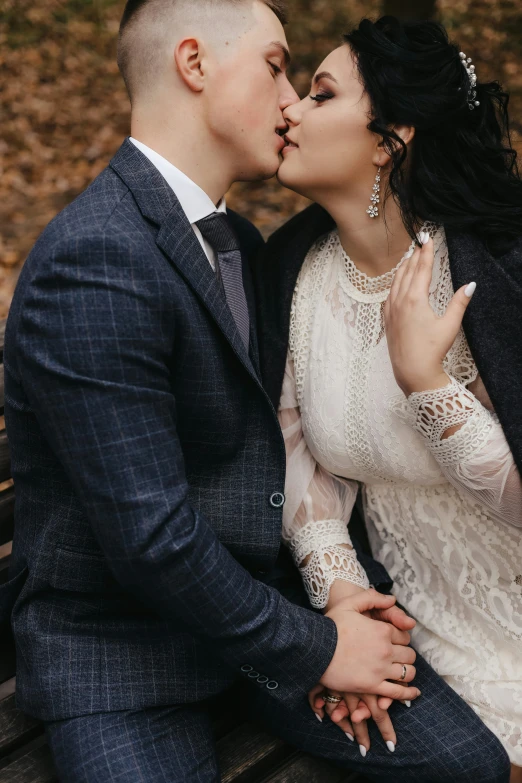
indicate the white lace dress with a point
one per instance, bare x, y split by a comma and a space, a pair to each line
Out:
443, 515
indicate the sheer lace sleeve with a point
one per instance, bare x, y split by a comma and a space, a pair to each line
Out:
317, 509
476, 457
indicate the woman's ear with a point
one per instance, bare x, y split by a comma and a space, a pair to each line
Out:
188, 59
405, 132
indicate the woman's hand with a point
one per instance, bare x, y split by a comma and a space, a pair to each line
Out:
418, 339
352, 714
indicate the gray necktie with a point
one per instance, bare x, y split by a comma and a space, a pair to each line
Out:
219, 233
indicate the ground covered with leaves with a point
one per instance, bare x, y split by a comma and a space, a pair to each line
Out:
64, 110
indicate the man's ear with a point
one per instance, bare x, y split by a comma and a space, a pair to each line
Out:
188, 57
405, 132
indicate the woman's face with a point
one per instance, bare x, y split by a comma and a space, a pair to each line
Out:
330, 147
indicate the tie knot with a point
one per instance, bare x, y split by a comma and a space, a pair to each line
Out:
217, 230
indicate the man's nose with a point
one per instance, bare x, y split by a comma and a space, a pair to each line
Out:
288, 96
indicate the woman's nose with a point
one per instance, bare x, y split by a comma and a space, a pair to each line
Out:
292, 113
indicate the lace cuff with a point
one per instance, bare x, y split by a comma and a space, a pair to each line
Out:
331, 557
434, 411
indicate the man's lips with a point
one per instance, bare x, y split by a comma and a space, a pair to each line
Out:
289, 145
280, 141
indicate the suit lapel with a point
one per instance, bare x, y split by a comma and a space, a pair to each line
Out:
176, 238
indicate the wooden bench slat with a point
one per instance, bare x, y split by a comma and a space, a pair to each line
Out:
34, 766
16, 728
307, 769
247, 754
7, 503
7, 688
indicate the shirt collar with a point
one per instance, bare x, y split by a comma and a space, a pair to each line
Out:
196, 204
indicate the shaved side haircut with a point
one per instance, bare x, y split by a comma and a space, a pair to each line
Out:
149, 29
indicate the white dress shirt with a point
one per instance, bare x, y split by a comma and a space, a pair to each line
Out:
194, 201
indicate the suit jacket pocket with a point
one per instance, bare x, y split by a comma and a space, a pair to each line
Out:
80, 572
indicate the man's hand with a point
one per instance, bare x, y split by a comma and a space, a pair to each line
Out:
369, 652
341, 590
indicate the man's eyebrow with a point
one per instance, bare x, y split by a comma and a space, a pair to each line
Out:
283, 51
324, 75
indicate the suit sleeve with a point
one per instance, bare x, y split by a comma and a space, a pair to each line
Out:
94, 342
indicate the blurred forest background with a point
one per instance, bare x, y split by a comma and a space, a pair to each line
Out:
64, 110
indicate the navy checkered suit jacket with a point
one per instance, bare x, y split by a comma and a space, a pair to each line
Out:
145, 454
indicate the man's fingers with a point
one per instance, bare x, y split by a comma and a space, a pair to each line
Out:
396, 616
400, 637
402, 654
398, 692
400, 669
371, 599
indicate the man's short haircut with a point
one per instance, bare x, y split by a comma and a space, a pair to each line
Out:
144, 23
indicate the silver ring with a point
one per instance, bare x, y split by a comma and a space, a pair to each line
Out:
404, 671
332, 699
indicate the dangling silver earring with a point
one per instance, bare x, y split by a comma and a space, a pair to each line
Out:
373, 209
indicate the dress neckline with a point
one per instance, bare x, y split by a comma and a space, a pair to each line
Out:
371, 289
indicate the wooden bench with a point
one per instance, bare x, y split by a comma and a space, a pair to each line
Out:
247, 754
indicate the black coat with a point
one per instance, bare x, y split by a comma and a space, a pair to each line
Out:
492, 323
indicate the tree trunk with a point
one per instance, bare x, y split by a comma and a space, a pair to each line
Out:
410, 9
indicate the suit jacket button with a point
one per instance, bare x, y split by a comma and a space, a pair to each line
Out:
253, 675
246, 668
262, 679
272, 685
277, 499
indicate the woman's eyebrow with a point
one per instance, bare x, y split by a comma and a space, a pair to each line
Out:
324, 75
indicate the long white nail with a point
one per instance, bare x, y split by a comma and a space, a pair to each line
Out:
391, 747
318, 717
425, 238
363, 751
470, 289
350, 736
407, 703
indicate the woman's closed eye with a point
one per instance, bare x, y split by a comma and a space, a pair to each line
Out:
277, 70
321, 97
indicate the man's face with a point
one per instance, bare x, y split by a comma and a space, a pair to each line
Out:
248, 92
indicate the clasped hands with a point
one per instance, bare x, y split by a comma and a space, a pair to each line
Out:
367, 668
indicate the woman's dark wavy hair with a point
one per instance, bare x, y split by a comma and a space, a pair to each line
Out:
461, 169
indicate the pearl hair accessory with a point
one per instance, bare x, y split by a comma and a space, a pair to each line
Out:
470, 70
373, 209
